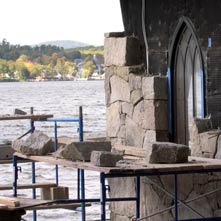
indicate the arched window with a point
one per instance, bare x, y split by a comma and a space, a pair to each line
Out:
187, 81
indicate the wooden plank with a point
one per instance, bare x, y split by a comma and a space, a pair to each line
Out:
9, 201
66, 163
37, 204
130, 150
28, 186
134, 166
27, 116
58, 206
11, 161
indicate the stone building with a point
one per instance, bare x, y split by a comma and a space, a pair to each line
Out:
163, 84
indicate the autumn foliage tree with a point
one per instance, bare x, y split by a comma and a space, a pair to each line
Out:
26, 62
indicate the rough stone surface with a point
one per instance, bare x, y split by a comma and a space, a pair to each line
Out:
205, 144
158, 201
119, 95
217, 155
157, 115
122, 72
82, 150
190, 187
125, 51
113, 119
134, 134
204, 141
127, 108
138, 114
105, 159
208, 144
155, 87
202, 206
20, 112
201, 125
127, 185
37, 143
165, 152
135, 82
122, 132
136, 96
6, 151
152, 136
185, 188
69, 152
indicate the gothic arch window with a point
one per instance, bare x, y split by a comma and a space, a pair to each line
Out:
187, 81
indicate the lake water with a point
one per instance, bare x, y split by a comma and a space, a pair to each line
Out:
61, 98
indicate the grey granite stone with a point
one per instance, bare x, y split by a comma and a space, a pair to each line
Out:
105, 159
37, 143
123, 51
81, 151
166, 152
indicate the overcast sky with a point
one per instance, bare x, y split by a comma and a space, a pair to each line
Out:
34, 21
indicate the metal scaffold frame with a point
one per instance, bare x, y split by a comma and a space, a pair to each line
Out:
80, 172
103, 199
202, 166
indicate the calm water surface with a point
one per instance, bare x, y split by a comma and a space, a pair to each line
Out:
61, 99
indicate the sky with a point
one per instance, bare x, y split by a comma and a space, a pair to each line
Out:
28, 22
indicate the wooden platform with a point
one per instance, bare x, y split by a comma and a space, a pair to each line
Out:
28, 186
27, 116
36, 204
135, 166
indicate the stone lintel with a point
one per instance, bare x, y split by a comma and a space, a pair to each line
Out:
114, 34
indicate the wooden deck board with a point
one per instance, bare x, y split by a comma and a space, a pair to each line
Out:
58, 206
37, 204
28, 186
27, 116
134, 166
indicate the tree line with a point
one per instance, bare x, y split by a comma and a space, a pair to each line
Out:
47, 61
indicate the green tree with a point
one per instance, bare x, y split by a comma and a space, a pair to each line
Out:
88, 69
22, 71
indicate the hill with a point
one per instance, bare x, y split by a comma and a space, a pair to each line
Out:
66, 44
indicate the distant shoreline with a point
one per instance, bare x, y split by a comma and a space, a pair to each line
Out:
46, 80
8, 80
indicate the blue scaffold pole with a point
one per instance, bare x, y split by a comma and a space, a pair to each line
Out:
55, 148
83, 211
80, 172
81, 135
102, 196
137, 197
15, 167
32, 126
34, 190
175, 199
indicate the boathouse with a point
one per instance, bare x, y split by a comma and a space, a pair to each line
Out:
163, 83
